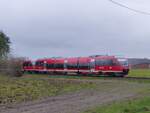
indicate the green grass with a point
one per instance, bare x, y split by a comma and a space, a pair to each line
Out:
132, 73
32, 87
139, 73
141, 105
15, 90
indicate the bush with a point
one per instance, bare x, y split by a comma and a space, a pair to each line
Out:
11, 66
3, 66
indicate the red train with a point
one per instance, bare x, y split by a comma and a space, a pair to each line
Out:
99, 65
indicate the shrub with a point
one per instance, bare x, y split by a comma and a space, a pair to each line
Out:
11, 66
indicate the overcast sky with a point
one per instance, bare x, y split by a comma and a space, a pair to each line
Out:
47, 28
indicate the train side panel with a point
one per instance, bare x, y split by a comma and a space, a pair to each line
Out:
72, 65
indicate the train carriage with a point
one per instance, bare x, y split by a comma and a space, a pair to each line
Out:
100, 65
109, 65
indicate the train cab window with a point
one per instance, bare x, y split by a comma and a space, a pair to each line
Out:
104, 62
71, 65
115, 63
123, 62
59, 66
84, 66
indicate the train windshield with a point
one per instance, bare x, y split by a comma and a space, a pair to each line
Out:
123, 62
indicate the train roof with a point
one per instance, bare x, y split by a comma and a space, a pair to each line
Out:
105, 57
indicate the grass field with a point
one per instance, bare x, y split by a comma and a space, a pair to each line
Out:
31, 87
14, 90
138, 105
139, 73
141, 105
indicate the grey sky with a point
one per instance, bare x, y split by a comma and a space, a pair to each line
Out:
46, 28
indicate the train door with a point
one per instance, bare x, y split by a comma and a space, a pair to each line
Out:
65, 66
92, 65
45, 66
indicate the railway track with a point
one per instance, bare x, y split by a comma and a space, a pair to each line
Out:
128, 78
137, 78
97, 77
104, 77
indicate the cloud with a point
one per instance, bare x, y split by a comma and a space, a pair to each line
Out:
45, 28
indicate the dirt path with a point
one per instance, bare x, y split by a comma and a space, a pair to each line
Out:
79, 101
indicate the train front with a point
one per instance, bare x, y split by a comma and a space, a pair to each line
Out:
125, 64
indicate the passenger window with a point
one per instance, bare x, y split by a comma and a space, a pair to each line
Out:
59, 66
84, 66
50, 66
71, 65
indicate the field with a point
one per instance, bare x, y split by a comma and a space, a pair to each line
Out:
14, 90
75, 94
141, 105
139, 73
